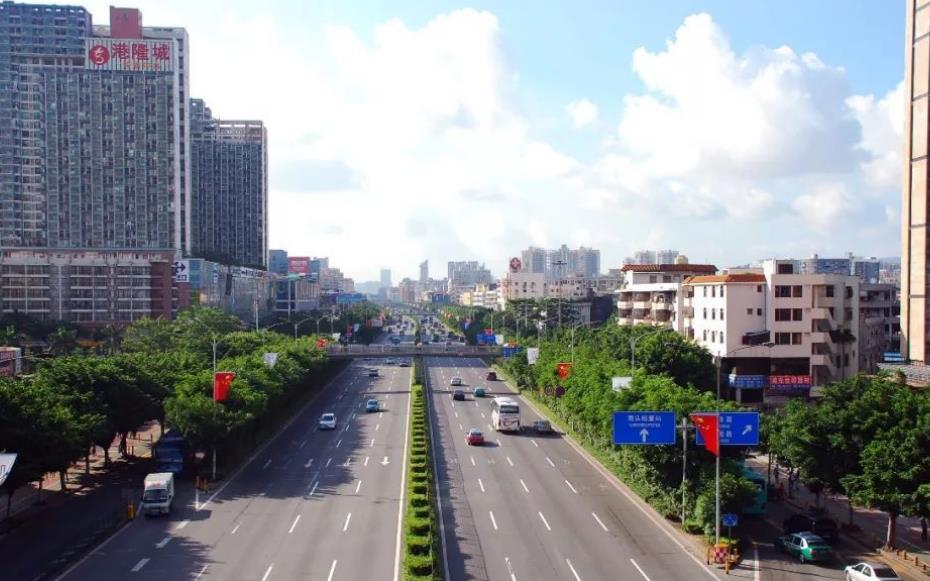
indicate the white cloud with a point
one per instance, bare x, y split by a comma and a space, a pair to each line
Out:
823, 208
582, 112
881, 122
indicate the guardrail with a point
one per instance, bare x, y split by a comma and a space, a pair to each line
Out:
382, 350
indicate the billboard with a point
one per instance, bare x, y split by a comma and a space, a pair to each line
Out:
129, 54
748, 381
789, 385
298, 265
182, 269
349, 298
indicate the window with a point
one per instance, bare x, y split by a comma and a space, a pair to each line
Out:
829, 292
652, 278
713, 292
797, 315
721, 336
796, 339
666, 278
705, 334
721, 292
748, 311
849, 292
782, 314
713, 336
705, 312
797, 291
721, 314
759, 312
782, 291
705, 291
713, 314
758, 288
783, 338
846, 360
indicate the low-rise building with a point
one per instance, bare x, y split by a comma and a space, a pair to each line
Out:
879, 324
651, 293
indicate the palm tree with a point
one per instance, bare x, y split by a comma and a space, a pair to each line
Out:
843, 337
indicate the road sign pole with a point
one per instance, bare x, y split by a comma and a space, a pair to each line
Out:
717, 469
684, 467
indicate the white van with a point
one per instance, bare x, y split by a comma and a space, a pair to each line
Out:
158, 493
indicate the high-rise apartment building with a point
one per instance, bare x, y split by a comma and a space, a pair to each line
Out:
277, 261
561, 262
914, 211
817, 265
424, 272
467, 273
93, 128
534, 259
653, 257
385, 278
229, 186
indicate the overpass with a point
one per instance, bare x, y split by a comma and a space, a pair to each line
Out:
410, 350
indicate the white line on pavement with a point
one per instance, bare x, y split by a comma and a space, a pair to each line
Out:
345, 527
293, 525
266, 464
161, 544
339, 443
267, 572
509, 461
377, 427
236, 528
640, 569
461, 427
202, 571
549, 460
600, 522
328, 460
481, 485
524, 485
309, 462
513, 576
139, 565
456, 414
483, 417
472, 460
332, 570
348, 461
575, 573
570, 486
493, 521
548, 528
476, 404
534, 443
183, 524
366, 461
358, 486
490, 428
372, 445
312, 490
304, 443
380, 415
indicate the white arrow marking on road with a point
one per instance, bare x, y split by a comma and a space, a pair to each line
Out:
545, 522
268, 572
161, 544
385, 462
575, 573
644, 433
599, 521
139, 565
524, 485
331, 571
309, 462
747, 429
294, 525
345, 527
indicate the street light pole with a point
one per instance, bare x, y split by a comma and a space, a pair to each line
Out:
635, 340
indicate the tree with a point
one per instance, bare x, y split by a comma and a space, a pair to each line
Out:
9, 336
62, 342
148, 335
671, 354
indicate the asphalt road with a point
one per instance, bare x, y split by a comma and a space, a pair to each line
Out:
310, 505
531, 507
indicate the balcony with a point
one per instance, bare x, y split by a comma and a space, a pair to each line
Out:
625, 304
642, 305
660, 306
820, 337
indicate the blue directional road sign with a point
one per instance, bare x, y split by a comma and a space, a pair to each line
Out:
736, 429
644, 428
729, 519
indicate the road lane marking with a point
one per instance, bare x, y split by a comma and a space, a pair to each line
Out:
161, 544
483, 417
600, 522
309, 462
524, 485
139, 565
236, 528
266, 464
339, 443
472, 460
202, 571
490, 428
304, 443
481, 485
509, 461
293, 525
183, 524
312, 490
377, 427
328, 460
366, 461
345, 527
545, 522
461, 427
493, 521
332, 570
513, 576
575, 573
640, 569
570, 486
372, 445
348, 461
456, 414
380, 415
476, 404
549, 460
358, 486
268, 572
534, 443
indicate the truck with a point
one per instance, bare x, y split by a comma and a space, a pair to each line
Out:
170, 452
158, 493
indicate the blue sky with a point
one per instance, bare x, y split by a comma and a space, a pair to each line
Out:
733, 131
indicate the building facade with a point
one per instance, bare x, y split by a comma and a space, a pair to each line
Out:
229, 185
93, 126
914, 210
466, 273
651, 294
424, 272
385, 278
817, 265
277, 262
879, 324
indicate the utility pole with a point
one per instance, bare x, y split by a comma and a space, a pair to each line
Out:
561, 264
718, 360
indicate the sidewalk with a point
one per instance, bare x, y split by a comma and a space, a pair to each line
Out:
78, 482
872, 524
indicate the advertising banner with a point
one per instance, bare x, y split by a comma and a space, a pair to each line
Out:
130, 54
789, 385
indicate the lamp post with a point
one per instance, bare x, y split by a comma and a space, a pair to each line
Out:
298, 323
718, 361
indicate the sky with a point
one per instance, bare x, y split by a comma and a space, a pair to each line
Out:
403, 131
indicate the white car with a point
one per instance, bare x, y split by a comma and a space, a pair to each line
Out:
456, 381
871, 572
328, 421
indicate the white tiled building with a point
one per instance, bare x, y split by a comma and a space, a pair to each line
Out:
651, 295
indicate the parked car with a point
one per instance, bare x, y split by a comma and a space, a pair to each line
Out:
372, 372
478, 392
491, 376
458, 395
871, 572
805, 546
542, 427
372, 405
328, 421
389, 361
822, 526
474, 437
455, 381
404, 363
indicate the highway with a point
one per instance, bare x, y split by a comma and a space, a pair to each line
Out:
319, 505
532, 507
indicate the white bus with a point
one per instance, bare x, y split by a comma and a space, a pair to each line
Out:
505, 414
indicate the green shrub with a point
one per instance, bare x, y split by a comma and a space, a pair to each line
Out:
418, 489
419, 500
418, 544
418, 526
420, 565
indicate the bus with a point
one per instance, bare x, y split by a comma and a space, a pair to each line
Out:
761, 498
505, 414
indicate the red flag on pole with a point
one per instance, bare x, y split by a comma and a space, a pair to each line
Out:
221, 382
710, 431
563, 370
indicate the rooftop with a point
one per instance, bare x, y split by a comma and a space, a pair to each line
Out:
697, 268
725, 278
